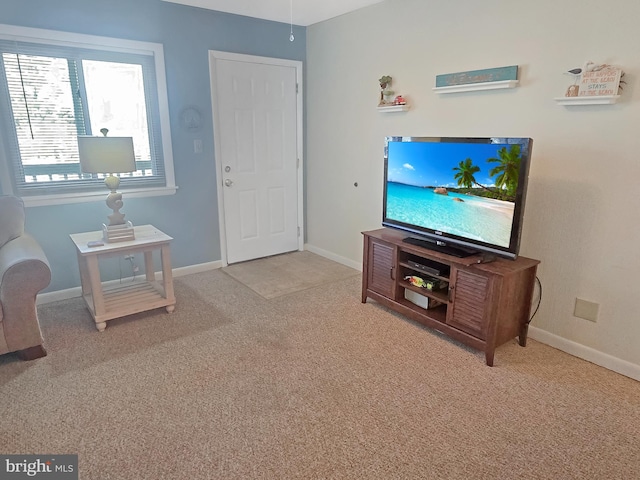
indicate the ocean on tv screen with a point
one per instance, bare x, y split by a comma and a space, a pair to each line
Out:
483, 219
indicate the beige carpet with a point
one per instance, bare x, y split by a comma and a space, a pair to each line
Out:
280, 275
311, 385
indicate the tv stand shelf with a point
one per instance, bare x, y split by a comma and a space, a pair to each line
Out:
437, 295
482, 305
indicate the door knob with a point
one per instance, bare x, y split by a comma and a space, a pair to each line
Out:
228, 182
227, 169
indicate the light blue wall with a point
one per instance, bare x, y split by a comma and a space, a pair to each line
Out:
187, 33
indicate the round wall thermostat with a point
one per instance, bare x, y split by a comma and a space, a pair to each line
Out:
191, 119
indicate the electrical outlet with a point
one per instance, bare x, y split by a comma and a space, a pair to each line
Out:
586, 310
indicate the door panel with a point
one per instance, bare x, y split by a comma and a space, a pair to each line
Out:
248, 210
277, 221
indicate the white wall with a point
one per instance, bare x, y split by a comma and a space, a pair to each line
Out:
581, 219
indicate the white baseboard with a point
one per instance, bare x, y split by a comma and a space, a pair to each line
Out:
73, 292
199, 268
333, 256
607, 361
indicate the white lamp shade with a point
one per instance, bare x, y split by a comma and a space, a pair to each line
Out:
106, 154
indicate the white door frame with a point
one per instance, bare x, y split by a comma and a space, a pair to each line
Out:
215, 55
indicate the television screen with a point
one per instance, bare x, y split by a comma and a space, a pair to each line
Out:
464, 195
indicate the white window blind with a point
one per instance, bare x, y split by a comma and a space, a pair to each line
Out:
51, 93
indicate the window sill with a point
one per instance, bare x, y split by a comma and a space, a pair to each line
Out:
98, 195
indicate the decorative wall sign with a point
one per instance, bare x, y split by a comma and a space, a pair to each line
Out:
489, 79
593, 85
477, 76
600, 82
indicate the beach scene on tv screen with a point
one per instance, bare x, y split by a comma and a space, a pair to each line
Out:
463, 189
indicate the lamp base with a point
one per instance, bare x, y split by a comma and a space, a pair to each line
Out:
118, 233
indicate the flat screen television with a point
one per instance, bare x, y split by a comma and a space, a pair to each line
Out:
461, 196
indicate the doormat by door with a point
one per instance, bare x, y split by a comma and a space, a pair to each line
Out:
279, 275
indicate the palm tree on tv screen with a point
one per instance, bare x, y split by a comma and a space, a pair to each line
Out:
466, 171
507, 171
466, 176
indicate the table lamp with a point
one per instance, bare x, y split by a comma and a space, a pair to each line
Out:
109, 155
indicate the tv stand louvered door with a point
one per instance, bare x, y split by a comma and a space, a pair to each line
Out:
482, 305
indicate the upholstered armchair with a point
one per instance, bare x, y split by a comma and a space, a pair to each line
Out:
24, 271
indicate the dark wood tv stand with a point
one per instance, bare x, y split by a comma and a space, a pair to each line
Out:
482, 305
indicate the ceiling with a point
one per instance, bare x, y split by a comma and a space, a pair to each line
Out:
305, 12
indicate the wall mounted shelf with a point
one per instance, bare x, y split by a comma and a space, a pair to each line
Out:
474, 87
393, 108
595, 100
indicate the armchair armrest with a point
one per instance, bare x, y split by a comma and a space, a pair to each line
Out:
25, 249
24, 271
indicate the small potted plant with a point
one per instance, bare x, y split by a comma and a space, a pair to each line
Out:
385, 83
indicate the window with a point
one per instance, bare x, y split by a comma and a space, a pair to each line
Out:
55, 86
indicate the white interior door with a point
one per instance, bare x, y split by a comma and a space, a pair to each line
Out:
256, 132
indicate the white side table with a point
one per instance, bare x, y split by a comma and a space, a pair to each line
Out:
106, 303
